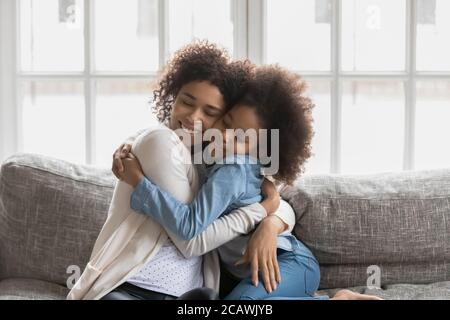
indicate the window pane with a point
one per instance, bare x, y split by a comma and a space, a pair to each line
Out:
319, 92
53, 119
373, 35
200, 19
126, 35
298, 34
432, 125
122, 108
51, 35
433, 35
372, 126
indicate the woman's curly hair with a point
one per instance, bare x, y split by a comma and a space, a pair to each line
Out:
200, 61
280, 101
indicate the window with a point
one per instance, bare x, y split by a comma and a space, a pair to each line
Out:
202, 19
433, 32
432, 129
83, 65
378, 72
309, 48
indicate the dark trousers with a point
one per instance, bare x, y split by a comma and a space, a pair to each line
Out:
227, 282
127, 291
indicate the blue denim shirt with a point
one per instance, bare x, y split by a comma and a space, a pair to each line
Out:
233, 184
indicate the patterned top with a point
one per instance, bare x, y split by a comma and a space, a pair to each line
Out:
169, 272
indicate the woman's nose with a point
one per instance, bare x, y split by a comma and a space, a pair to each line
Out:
195, 116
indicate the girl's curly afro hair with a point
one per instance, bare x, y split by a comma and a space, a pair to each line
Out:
280, 101
200, 61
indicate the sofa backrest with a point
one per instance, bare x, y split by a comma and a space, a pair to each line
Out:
398, 223
51, 213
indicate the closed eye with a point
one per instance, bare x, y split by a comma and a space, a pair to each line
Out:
212, 113
187, 103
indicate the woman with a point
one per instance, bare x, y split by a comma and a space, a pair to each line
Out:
198, 85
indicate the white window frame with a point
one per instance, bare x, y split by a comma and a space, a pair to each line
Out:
249, 41
8, 112
257, 38
11, 77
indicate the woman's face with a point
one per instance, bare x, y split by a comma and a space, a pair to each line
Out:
197, 102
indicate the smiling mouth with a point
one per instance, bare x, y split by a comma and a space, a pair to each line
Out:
189, 130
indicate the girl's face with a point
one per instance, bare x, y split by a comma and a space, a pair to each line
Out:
240, 117
197, 101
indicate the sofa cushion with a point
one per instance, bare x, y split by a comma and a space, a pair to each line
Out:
399, 222
51, 212
433, 291
30, 289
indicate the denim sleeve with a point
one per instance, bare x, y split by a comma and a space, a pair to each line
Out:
225, 186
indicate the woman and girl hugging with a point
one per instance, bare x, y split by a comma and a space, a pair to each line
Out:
180, 229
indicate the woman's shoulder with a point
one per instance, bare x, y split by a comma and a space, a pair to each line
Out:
164, 145
160, 135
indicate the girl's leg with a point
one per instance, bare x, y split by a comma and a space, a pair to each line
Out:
300, 277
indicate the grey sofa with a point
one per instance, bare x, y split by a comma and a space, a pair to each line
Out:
51, 212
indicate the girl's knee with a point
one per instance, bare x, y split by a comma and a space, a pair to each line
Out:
240, 297
247, 291
312, 277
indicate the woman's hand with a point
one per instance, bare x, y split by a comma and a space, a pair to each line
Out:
261, 252
120, 154
271, 200
132, 171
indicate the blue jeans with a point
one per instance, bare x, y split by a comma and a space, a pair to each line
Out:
300, 278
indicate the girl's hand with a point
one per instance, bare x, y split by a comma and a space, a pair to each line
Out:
132, 171
271, 200
120, 154
261, 253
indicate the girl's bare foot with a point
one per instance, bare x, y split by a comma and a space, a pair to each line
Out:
350, 295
